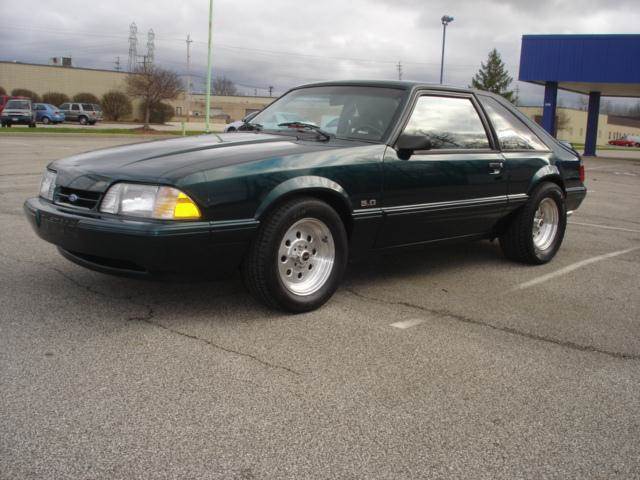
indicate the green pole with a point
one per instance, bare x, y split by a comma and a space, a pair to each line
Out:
208, 96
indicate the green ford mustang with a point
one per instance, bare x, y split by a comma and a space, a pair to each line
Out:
327, 172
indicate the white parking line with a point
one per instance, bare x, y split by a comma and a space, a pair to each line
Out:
404, 324
572, 267
607, 227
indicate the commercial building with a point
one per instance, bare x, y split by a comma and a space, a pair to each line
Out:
571, 124
71, 80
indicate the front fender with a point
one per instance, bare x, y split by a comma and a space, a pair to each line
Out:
304, 184
548, 173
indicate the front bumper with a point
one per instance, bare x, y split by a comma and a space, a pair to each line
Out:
17, 119
138, 247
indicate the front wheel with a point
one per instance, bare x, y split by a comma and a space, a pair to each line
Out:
535, 233
299, 255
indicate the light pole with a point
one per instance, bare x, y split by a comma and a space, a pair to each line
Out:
446, 20
208, 96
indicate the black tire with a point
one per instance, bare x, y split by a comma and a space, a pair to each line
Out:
517, 240
32, 125
45, 120
82, 120
260, 269
231, 129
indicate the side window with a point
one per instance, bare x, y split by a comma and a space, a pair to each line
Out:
512, 133
64, 106
87, 107
75, 106
449, 122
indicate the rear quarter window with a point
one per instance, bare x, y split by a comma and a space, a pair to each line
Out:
512, 133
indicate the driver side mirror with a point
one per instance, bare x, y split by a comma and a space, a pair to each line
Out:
408, 144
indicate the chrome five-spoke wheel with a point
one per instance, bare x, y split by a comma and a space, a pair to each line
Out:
545, 224
306, 256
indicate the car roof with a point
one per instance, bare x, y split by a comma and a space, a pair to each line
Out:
398, 84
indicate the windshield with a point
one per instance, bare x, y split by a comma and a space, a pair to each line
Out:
362, 113
19, 104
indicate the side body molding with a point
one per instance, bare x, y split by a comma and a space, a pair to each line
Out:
308, 184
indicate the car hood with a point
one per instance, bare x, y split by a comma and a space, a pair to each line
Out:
169, 161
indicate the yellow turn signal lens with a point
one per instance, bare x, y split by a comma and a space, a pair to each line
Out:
172, 204
185, 208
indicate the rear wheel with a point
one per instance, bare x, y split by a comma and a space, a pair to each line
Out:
231, 129
45, 120
298, 257
82, 120
536, 231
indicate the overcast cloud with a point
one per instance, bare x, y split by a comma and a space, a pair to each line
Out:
284, 43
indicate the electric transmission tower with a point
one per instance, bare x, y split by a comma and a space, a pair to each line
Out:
133, 46
117, 66
150, 46
399, 70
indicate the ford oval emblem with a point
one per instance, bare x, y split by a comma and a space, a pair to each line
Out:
73, 198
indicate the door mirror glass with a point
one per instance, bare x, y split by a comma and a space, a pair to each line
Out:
407, 144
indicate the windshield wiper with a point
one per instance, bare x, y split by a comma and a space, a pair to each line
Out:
307, 126
253, 126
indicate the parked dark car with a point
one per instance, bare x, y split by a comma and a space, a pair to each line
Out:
18, 111
409, 164
47, 113
83, 113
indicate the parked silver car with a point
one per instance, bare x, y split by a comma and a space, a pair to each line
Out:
83, 113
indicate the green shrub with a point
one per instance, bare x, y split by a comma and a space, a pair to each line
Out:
23, 92
115, 105
160, 112
55, 98
85, 97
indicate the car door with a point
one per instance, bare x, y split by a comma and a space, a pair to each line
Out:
457, 188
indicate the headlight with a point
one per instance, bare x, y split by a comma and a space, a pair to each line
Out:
149, 201
48, 184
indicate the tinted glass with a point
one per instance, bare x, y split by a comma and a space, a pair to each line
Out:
75, 107
87, 106
450, 123
355, 112
64, 106
512, 133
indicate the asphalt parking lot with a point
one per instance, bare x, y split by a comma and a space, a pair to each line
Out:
446, 363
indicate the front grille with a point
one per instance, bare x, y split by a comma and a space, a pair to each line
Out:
77, 198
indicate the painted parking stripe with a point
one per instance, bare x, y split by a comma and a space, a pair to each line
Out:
607, 227
572, 267
404, 324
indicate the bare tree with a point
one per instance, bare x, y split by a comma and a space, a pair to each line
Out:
562, 120
153, 84
224, 86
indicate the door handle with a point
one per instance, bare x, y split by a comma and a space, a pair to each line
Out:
495, 168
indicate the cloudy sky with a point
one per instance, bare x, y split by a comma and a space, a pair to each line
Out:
283, 43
